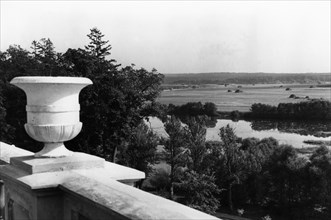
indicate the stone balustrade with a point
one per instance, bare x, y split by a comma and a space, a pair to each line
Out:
81, 187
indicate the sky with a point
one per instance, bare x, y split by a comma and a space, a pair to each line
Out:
182, 36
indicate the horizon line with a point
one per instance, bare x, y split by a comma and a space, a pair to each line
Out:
249, 72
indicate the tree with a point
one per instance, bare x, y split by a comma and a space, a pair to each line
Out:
160, 181
233, 169
287, 177
140, 149
4, 130
176, 151
195, 133
320, 177
212, 163
155, 109
200, 191
312, 109
97, 47
210, 109
43, 50
44, 54
113, 105
258, 154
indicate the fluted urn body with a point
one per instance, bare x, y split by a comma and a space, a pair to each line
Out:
52, 111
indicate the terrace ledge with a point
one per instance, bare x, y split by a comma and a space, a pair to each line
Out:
89, 193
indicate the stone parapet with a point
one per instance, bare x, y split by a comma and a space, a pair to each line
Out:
8, 151
109, 199
80, 193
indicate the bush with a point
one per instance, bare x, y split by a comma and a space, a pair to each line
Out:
235, 115
160, 180
200, 192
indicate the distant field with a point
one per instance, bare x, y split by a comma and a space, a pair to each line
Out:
229, 101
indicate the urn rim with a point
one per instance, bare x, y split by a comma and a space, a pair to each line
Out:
50, 79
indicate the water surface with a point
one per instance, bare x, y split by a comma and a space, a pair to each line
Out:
292, 133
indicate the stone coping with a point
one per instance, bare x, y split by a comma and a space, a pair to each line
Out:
40, 180
54, 179
8, 151
112, 171
129, 202
32, 164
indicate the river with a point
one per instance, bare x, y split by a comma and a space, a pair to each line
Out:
286, 132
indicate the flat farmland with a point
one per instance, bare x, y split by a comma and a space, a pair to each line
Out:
230, 101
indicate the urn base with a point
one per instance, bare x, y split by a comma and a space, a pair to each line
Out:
54, 150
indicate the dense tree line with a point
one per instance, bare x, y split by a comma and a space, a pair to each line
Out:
111, 108
245, 78
193, 109
313, 110
238, 173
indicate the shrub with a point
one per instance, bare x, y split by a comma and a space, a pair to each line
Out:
235, 115
160, 179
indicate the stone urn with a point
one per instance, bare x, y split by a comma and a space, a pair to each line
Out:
52, 111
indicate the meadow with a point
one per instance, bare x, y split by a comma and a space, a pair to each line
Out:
226, 101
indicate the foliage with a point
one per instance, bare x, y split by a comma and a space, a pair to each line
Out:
320, 177
212, 162
193, 109
233, 167
155, 109
263, 110
110, 108
195, 133
140, 149
235, 115
313, 109
210, 109
5, 127
160, 180
254, 172
97, 47
176, 149
200, 191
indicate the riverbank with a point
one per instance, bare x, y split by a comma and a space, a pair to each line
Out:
286, 132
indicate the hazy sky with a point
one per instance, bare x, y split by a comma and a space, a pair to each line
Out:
186, 36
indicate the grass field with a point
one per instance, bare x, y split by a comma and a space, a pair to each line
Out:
229, 101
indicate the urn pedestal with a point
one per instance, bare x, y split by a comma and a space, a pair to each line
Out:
52, 111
